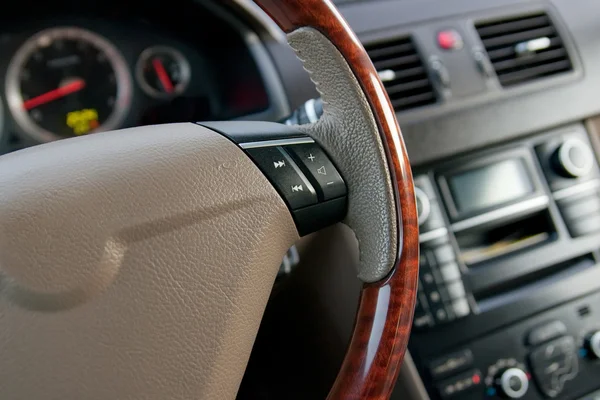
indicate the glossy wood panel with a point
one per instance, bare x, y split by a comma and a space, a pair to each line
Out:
385, 313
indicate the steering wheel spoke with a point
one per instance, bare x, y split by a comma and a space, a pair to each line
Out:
298, 168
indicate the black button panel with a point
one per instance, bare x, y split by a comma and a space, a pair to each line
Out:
442, 291
285, 174
305, 177
330, 184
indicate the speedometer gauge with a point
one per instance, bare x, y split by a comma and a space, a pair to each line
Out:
66, 82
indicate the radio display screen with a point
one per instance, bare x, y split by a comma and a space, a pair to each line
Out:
491, 185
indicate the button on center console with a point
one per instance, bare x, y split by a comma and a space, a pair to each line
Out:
451, 364
554, 364
573, 159
546, 332
460, 384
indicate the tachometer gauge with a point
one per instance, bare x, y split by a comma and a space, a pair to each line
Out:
163, 72
66, 82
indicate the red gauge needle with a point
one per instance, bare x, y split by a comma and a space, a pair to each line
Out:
55, 94
163, 77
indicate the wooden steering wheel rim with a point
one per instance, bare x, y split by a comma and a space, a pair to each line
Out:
385, 313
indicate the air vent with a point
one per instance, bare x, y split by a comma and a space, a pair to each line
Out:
524, 48
402, 72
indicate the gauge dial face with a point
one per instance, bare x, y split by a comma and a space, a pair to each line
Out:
163, 72
66, 82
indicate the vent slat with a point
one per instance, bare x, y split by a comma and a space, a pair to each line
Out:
559, 54
410, 101
509, 52
539, 71
405, 77
397, 62
501, 37
515, 38
413, 73
403, 87
513, 27
384, 52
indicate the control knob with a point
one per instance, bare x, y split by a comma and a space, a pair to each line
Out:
592, 344
512, 383
573, 159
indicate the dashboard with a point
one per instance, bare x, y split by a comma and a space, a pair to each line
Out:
499, 107
70, 69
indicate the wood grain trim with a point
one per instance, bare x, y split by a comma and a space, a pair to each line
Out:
385, 313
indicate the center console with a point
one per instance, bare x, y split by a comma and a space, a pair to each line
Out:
509, 292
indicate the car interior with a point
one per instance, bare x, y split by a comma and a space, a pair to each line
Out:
300, 199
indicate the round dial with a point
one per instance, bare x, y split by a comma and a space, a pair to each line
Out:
573, 159
513, 383
163, 72
592, 344
66, 82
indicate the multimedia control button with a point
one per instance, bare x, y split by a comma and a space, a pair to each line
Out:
580, 207
585, 226
450, 272
441, 313
321, 169
422, 318
573, 159
461, 308
434, 297
423, 321
456, 290
460, 384
444, 254
285, 175
546, 332
451, 364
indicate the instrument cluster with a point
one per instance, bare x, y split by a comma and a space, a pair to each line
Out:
76, 75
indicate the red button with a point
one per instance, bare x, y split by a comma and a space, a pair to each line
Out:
449, 40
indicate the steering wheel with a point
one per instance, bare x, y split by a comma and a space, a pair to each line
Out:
138, 263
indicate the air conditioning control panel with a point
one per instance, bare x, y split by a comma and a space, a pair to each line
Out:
554, 355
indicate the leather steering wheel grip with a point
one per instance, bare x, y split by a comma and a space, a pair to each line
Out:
389, 240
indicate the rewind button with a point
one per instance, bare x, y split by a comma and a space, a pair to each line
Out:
285, 175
